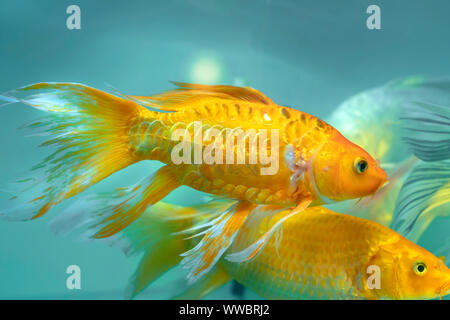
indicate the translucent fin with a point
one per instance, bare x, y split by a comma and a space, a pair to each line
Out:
255, 248
152, 235
161, 256
88, 129
427, 130
217, 238
158, 234
371, 118
127, 204
205, 211
380, 207
187, 93
420, 83
444, 252
141, 101
6, 100
107, 213
426, 188
210, 282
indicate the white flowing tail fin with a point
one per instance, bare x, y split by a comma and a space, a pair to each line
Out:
424, 195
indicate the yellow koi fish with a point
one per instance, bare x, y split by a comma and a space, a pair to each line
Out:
96, 134
328, 255
321, 255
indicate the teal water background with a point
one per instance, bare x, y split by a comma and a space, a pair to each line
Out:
311, 55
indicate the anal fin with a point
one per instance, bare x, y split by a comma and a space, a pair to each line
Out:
128, 204
213, 280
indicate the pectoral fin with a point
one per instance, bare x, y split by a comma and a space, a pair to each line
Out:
251, 251
215, 241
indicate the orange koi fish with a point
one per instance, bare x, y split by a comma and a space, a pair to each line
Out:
322, 255
402, 121
96, 134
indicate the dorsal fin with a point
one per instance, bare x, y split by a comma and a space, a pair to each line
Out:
186, 93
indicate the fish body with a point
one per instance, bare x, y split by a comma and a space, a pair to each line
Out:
301, 138
326, 255
238, 181
320, 255
308, 152
97, 134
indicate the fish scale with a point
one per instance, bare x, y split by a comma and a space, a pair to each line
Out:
150, 138
321, 254
152, 130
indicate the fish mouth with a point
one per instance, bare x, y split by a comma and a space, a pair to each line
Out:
380, 187
382, 175
383, 184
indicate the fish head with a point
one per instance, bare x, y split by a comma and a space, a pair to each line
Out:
342, 170
411, 272
422, 275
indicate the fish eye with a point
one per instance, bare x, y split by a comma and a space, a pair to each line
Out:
361, 165
420, 268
